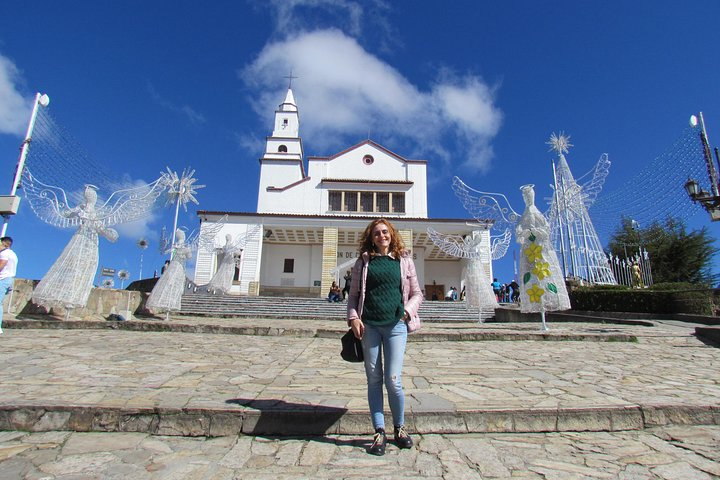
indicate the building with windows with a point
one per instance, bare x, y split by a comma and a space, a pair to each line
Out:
311, 219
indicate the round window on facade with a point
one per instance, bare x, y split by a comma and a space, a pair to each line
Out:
282, 149
368, 160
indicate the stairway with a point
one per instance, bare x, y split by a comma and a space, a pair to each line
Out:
205, 304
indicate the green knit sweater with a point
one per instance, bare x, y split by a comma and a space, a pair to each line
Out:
383, 293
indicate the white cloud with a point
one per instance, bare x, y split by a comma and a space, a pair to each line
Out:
249, 143
139, 228
293, 14
14, 108
192, 116
345, 93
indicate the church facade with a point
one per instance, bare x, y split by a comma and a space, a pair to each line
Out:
306, 230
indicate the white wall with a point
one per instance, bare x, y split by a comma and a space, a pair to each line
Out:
273, 260
311, 197
445, 273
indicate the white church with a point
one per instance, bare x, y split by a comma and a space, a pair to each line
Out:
310, 218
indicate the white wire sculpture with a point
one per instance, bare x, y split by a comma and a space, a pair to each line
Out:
531, 230
166, 296
123, 275
542, 285
484, 206
230, 256
69, 280
572, 231
142, 245
478, 289
181, 190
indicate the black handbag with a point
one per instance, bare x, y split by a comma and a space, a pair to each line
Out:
351, 348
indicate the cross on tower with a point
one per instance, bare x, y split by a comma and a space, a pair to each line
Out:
291, 78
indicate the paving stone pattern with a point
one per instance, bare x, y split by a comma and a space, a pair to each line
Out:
670, 453
205, 384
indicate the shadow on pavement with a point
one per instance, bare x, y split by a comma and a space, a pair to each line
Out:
278, 417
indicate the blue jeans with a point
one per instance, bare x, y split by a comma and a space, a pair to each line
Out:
5, 287
388, 342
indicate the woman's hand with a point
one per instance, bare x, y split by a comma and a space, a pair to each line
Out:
358, 328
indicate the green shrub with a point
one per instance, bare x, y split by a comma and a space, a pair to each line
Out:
675, 286
603, 299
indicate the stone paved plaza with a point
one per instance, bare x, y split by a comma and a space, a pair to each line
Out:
646, 405
670, 453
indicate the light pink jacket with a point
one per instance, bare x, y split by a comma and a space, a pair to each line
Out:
411, 294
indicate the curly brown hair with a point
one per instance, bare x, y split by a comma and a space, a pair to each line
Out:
396, 244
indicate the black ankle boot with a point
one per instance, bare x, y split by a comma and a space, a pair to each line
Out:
379, 442
402, 439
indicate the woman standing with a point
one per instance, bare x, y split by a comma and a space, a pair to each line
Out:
384, 294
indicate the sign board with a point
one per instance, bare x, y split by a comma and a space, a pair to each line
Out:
107, 272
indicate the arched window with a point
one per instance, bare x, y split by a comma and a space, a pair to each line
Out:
282, 149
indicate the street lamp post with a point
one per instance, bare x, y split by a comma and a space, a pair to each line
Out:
9, 203
710, 201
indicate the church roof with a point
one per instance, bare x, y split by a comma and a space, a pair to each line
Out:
365, 180
367, 142
289, 104
201, 213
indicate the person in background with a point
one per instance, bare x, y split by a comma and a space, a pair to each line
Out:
515, 291
8, 268
449, 294
496, 288
334, 295
346, 288
384, 295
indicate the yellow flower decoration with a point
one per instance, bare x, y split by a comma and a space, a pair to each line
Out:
535, 293
534, 253
541, 270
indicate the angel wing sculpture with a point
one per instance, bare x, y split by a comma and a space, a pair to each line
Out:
167, 293
487, 206
576, 197
69, 280
479, 291
229, 257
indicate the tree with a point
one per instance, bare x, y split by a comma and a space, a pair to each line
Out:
675, 254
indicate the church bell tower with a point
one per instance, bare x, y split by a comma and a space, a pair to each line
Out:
282, 163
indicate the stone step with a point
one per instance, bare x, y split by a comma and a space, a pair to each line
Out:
195, 303
262, 417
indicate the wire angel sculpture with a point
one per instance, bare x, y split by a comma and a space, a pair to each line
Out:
478, 288
542, 285
572, 231
68, 282
484, 206
229, 258
181, 189
166, 296
539, 266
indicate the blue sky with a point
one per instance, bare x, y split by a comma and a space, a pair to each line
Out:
473, 87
